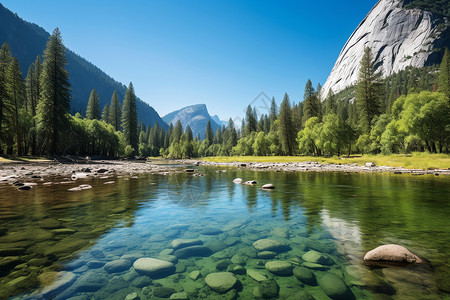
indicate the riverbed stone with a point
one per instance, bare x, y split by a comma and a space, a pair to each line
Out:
305, 275
182, 243
117, 266
391, 253
237, 180
317, 258
179, 296
63, 280
222, 265
163, 292
268, 186
270, 245
267, 254
210, 231
194, 275
279, 267
221, 282
334, 287
256, 275
238, 260
192, 251
141, 281
153, 267
90, 282
266, 289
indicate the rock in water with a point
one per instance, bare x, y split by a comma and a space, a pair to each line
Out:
334, 287
268, 186
305, 275
237, 180
181, 243
279, 267
391, 254
270, 245
267, 289
191, 251
398, 37
117, 266
63, 280
221, 282
153, 267
317, 258
257, 275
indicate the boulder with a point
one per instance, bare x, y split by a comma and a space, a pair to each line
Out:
63, 281
251, 182
237, 180
317, 258
391, 254
266, 254
153, 267
266, 289
194, 275
334, 287
256, 275
279, 267
305, 275
192, 251
268, 186
270, 245
237, 260
221, 282
163, 292
181, 243
117, 266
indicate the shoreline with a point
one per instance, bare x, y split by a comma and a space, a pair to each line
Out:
49, 172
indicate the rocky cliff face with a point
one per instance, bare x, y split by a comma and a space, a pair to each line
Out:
398, 38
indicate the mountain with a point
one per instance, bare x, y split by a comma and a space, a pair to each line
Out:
400, 34
27, 40
219, 121
196, 116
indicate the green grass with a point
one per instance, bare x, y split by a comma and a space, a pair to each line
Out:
410, 161
22, 159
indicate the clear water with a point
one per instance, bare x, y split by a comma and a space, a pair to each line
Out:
342, 216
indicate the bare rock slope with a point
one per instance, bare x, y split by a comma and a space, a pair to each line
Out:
398, 37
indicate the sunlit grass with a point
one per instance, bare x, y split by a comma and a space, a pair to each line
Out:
410, 161
23, 158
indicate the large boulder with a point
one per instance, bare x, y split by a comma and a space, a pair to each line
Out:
279, 267
267, 289
117, 266
153, 267
305, 275
270, 245
317, 258
391, 254
334, 287
221, 282
182, 243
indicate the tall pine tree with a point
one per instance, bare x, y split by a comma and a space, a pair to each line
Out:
273, 112
93, 106
129, 118
33, 90
106, 113
209, 133
368, 91
286, 127
311, 104
54, 101
5, 105
115, 111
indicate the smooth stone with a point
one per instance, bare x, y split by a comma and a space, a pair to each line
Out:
166, 252
141, 281
163, 292
317, 258
237, 260
266, 289
305, 275
95, 264
256, 275
314, 266
237, 180
238, 270
63, 281
65, 247
222, 265
90, 282
279, 267
216, 245
132, 296
266, 254
392, 253
191, 251
221, 282
194, 275
182, 243
117, 266
270, 245
170, 258
179, 296
334, 287
153, 267
268, 186
251, 182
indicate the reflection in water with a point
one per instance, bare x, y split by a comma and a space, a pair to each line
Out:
49, 229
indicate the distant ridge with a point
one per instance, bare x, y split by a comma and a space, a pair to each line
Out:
27, 40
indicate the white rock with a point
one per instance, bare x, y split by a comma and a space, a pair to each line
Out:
153, 266
221, 282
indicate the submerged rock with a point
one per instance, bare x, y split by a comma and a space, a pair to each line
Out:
153, 267
237, 180
163, 292
268, 186
221, 282
317, 258
182, 243
270, 245
391, 254
279, 267
266, 254
194, 275
192, 251
63, 281
305, 275
117, 266
256, 275
334, 287
267, 289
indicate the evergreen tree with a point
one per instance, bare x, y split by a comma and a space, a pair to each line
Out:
250, 121
273, 112
33, 90
330, 103
115, 112
15, 89
93, 106
311, 104
209, 133
286, 127
367, 92
5, 105
318, 91
129, 118
54, 101
106, 113
444, 75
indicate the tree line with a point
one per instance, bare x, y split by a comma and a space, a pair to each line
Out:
405, 112
35, 112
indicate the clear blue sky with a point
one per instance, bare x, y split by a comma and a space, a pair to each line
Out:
221, 53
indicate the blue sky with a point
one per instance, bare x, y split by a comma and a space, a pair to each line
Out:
221, 53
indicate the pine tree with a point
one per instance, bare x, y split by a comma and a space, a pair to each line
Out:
106, 113
93, 106
32, 87
444, 75
311, 104
250, 121
330, 103
368, 91
5, 105
209, 133
15, 89
115, 112
54, 101
273, 112
129, 118
286, 127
